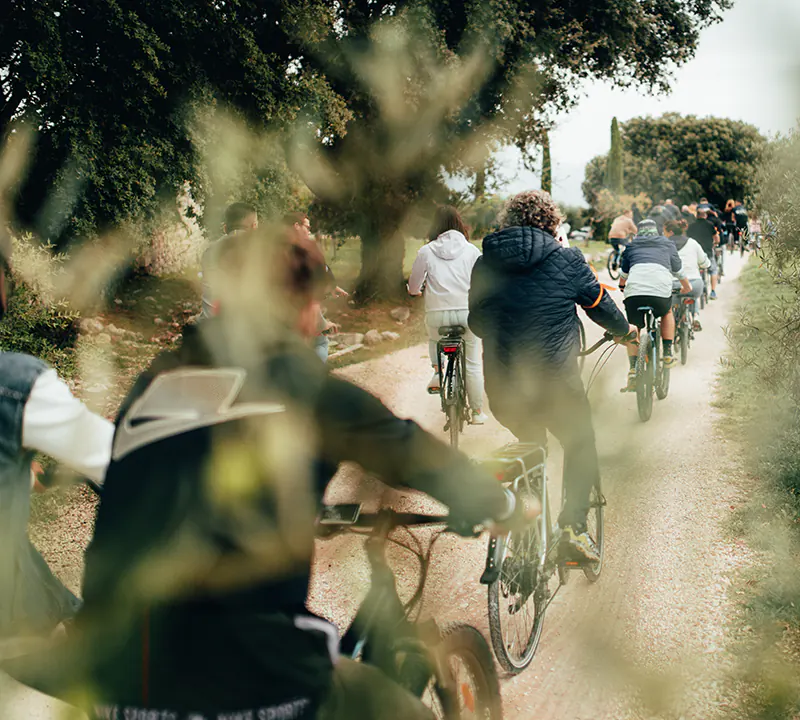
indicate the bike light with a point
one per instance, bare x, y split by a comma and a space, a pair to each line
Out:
688, 301
450, 349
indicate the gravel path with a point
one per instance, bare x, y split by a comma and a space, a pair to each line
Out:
648, 640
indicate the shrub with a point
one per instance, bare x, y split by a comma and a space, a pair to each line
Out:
37, 323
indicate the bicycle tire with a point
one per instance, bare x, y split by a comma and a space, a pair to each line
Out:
684, 340
661, 373
612, 265
595, 518
502, 590
644, 379
467, 644
453, 422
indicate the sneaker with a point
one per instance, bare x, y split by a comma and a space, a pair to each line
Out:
579, 545
713, 295
479, 417
434, 384
631, 386
696, 326
669, 361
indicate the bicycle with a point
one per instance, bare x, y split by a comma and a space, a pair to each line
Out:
614, 260
683, 311
521, 566
651, 373
452, 382
719, 254
450, 669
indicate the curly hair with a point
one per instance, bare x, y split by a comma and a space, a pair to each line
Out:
532, 208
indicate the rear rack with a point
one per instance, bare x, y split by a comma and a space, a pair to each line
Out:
519, 458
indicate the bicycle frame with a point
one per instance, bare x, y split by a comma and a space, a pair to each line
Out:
451, 350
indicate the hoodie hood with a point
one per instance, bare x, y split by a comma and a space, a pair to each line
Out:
449, 245
517, 249
680, 241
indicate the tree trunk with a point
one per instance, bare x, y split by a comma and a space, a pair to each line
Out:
547, 169
381, 276
480, 182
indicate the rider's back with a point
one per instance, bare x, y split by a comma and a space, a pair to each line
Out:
523, 300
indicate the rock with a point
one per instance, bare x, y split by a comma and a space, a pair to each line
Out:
91, 325
389, 335
115, 331
104, 339
373, 337
350, 338
401, 314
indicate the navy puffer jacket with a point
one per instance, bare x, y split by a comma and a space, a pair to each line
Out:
523, 299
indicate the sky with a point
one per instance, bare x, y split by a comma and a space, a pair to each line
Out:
754, 50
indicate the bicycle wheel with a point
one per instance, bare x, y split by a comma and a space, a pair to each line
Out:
612, 265
594, 526
662, 372
683, 335
644, 378
517, 601
470, 688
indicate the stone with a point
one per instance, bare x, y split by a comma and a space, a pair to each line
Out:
350, 338
104, 339
115, 331
373, 337
401, 314
91, 325
389, 335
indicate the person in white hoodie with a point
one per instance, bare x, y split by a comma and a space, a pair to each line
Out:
694, 260
444, 268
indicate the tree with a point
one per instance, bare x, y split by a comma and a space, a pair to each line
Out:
683, 157
547, 170
614, 173
381, 97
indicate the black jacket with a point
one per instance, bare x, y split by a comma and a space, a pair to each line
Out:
523, 299
236, 496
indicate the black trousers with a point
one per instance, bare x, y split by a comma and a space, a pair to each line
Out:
534, 403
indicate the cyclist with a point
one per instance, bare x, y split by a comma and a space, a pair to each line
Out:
742, 221
444, 267
707, 237
648, 267
239, 217
197, 576
38, 413
522, 302
729, 224
693, 259
622, 229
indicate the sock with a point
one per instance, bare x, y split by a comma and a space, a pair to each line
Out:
632, 361
667, 347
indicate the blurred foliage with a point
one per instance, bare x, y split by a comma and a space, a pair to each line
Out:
576, 215
547, 165
375, 99
683, 157
609, 205
36, 323
481, 215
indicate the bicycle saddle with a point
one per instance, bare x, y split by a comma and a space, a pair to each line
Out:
452, 331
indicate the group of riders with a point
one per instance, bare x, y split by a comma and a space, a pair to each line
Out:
671, 255
194, 595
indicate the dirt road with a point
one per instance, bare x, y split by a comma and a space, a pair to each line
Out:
648, 640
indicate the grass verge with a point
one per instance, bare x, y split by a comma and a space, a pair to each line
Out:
760, 414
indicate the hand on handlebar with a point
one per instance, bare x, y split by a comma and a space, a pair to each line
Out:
630, 336
521, 518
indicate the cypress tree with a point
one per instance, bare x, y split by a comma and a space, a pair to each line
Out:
547, 170
614, 170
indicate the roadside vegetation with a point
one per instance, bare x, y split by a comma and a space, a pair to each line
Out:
760, 394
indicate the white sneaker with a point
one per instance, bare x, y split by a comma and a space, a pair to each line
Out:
434, 385
479, 417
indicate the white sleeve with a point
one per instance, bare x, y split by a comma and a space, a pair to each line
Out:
418, 272
702, 259
59, 425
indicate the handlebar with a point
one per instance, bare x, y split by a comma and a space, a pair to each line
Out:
607, 338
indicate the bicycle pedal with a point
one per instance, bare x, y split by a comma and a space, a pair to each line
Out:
434, 391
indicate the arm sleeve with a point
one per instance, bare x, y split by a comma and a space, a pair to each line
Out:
480, 292
625, 264
676, 264
418, 272
702, 259
597, 303
357, 427
59, 425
